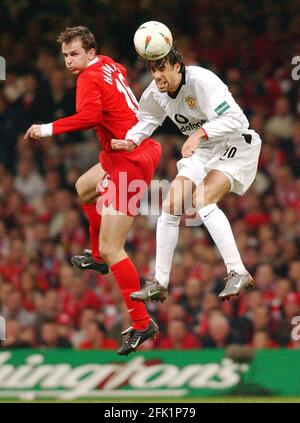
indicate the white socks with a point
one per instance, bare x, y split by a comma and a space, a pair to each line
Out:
166, 239
217, 225
220, 230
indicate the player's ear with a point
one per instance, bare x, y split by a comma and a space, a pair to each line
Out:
92, 53
177, 67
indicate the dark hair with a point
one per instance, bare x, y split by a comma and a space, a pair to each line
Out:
86, 36
174, 56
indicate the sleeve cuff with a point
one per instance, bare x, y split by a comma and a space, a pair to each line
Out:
46, 130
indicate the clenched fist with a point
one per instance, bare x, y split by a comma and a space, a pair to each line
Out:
34, 132
126, 145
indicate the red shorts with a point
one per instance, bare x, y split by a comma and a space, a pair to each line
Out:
128, 175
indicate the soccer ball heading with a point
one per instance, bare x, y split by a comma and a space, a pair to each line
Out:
153, 40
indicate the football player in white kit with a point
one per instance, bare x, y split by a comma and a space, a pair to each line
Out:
220, 156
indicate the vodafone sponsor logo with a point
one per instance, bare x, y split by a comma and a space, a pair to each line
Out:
185, 125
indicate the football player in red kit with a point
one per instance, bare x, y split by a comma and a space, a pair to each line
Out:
105, 102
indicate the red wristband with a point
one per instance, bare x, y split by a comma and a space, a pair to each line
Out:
205, 133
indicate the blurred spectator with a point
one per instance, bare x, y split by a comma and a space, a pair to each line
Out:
88, 315
261, 340
95, 337
33, 103
50, 337
12, 309
28, 181
218, 332
281, 123
261, 318
10, 126
77, 297
14, 335
191, 300
178, 337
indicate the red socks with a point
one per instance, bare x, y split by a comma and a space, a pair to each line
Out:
95, 220
124, 272
128, 279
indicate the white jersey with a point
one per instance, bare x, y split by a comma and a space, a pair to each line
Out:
202, 100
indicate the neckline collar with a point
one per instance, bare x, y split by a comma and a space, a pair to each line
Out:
92, 62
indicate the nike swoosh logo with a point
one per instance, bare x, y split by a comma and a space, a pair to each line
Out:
152, 293
85, 264
237, 285
130, 310
209, 214
136, 343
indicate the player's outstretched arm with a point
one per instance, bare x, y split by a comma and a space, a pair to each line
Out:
192, 143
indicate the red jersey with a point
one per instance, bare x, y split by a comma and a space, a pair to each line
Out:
104, 101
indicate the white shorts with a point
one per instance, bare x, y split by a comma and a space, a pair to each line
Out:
236, 156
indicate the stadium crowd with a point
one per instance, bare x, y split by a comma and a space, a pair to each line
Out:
47, 303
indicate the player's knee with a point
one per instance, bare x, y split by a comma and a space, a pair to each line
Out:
108, 251
216, 185
86, 195
170, 207
79, 186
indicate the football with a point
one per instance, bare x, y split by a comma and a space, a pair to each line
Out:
153, 40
